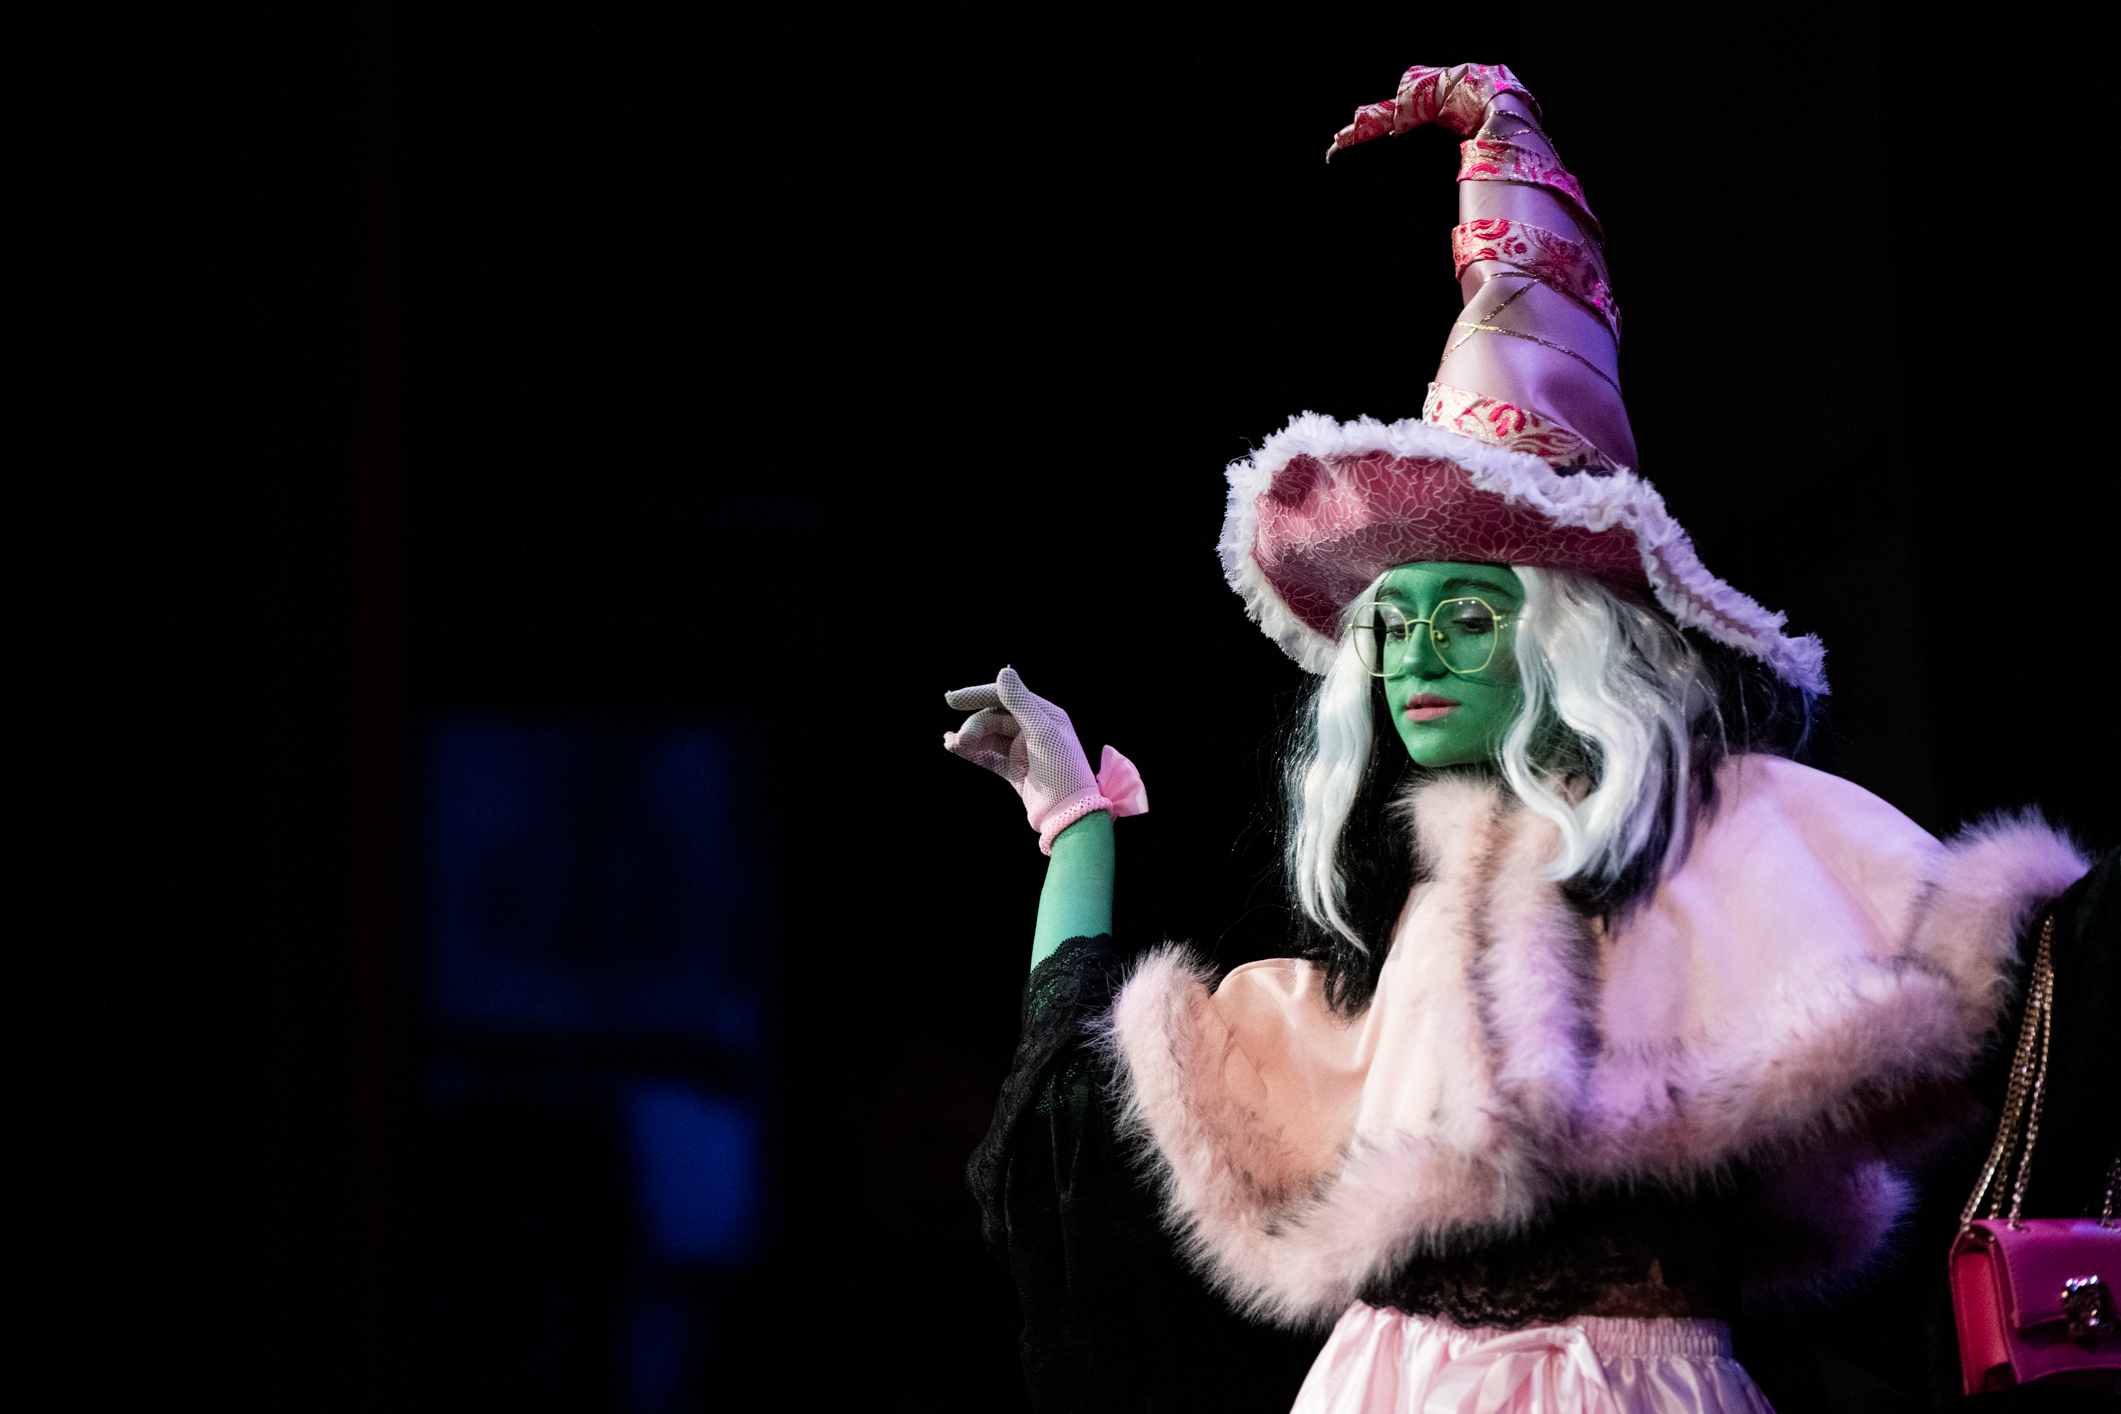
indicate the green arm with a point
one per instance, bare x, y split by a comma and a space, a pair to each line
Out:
1077, 899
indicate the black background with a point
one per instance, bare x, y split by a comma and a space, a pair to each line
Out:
778, 369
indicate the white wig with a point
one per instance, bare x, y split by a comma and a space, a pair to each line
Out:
1614, 697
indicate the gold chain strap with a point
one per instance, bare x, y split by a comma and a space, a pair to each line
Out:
2044, 998
2028, 1082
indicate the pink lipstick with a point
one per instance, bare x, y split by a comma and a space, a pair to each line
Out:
1427, 706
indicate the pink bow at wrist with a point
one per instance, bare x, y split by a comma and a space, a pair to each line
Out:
1121, 783
1119, 791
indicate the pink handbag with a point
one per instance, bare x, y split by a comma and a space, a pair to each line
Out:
2034, 1297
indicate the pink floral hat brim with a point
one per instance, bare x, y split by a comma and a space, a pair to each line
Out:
1324, 507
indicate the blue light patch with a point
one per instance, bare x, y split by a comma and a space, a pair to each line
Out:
696, 1164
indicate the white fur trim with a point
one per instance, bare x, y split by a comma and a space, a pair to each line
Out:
1534, 979
1249, 480
1815, 1061
1273, 1239
1815, 1088
1622, 499
2002, 867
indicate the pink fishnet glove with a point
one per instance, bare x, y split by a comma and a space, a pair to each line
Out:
1031, 744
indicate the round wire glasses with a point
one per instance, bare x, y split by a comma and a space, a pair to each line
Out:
1463, 633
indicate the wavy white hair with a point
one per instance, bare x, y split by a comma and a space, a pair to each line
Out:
1613, 697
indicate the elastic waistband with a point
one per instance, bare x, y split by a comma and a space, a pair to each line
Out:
1613, 1337
1618, 1335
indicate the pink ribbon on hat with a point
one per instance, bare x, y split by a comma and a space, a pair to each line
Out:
1119, 791
1547, 1370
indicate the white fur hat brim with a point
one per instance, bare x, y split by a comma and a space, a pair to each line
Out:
1571, 503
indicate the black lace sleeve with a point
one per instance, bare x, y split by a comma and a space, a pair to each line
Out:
1113, 1320
1064, 994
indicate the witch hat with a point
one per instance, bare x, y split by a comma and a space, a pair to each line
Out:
1522, 454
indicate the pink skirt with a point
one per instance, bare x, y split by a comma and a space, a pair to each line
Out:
1383, 1362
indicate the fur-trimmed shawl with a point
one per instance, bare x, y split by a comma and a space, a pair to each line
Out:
1786, 998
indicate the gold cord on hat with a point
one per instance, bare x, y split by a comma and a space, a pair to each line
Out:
1487, 130
1567, 266
1473, 328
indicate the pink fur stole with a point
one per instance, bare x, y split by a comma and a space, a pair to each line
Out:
1815, 972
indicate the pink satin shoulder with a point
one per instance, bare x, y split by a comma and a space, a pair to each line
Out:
1302, 1065
1799, 875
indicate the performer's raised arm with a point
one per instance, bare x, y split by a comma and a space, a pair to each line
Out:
1031, 744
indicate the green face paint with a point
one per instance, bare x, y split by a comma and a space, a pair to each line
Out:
1451, 718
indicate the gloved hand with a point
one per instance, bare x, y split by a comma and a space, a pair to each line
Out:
1031, 744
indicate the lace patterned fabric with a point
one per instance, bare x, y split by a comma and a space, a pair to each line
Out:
1456, 98
1499, 160
1575, 269
1513, 428
1327, 526
1608, 1252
